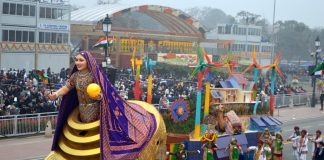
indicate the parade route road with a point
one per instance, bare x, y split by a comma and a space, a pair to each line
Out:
38, 147
309, 124
25, 148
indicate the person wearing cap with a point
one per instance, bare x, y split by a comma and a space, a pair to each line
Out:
266, 135
277, 147
294, 138
315, 140
302, 148
320, 151
263, 152
181, 153
234, 149
209, 143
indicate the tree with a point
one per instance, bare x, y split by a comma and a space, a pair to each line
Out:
210, 17
294, 39
245, 17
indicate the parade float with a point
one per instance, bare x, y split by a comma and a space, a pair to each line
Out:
232, 117
232, 112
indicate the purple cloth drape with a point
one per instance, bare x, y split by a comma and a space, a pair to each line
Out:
125, 128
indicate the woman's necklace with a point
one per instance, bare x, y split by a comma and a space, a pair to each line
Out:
84, 73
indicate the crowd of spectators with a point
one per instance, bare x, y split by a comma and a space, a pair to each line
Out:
282, 85
23, 92
165, 85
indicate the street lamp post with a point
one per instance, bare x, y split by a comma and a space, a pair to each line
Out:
106, 28
317, 45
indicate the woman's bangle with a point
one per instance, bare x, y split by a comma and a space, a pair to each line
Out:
56, 94
100, 98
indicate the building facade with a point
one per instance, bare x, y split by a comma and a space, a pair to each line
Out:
151, 29
34, 34
240, 40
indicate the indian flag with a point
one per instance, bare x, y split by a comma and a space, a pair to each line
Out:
102, 42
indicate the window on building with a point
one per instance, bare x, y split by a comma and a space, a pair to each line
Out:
13, 8
18, 36
47, 37
235, 47
59, 14
41, 37
26, 10
59, 38
220, 30
42, 12
228, 29
249, 48
32, 10
235, 29
254, 31
12, 35
220, 45
31, 36
53, 38
25, 36
5, 35
54, 13
240, 47
257, 48
65, 14
258, 32
242, 31
48, 12
65, 38
5, 8
266, 48
19, 9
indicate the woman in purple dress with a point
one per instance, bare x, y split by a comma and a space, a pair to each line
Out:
104, 127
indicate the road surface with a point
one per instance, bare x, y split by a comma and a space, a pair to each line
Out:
309, 124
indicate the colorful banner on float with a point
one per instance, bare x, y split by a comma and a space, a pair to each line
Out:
189, 60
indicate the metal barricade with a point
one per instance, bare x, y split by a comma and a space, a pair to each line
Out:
285, 100
6, 127
15, 125
278, 101
26, 124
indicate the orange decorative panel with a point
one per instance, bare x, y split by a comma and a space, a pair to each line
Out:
189, 20
168, 10
143, 8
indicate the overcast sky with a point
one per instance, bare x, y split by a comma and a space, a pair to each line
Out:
310, 12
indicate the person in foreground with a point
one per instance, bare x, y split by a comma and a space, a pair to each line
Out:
181, 153
319, 155
103, 126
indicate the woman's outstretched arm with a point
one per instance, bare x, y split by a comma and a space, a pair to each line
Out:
61, 92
